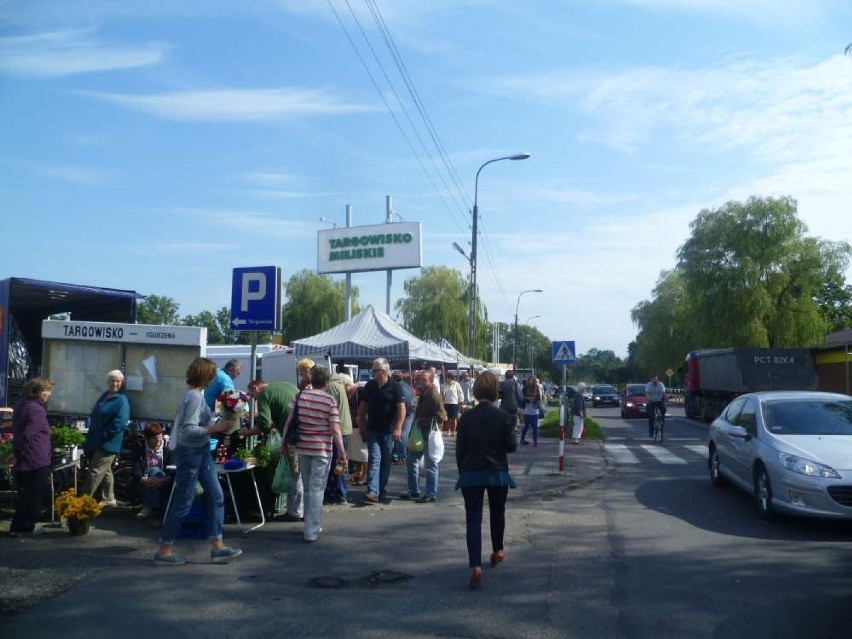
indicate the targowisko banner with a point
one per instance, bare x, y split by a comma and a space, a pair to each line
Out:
377, 247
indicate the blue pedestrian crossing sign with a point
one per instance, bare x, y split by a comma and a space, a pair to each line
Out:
563, 353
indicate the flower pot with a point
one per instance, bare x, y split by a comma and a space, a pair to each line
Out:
78, 527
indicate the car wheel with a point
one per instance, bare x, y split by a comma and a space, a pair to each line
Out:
763, 494
716, 476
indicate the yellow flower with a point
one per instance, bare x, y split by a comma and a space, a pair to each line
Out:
72, 506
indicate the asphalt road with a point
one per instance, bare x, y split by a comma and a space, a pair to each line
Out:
650, 550
691, 560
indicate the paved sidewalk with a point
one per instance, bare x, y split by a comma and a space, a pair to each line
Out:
39, 569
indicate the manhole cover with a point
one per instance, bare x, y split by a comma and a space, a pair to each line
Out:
327, 582
388, 577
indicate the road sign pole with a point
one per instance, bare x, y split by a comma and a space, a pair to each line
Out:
563, 415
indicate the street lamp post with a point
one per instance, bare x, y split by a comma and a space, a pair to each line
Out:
471, 323
515, 341
527, 342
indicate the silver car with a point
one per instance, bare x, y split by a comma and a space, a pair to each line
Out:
791, 449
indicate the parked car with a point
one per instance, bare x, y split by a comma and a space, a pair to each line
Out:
791, 449
634, 403
587, 394
604, 395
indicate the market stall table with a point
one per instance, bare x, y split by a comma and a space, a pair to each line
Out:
222, 471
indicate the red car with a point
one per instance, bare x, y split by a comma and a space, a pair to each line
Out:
633, 401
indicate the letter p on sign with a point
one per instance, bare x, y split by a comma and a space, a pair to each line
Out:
252, 293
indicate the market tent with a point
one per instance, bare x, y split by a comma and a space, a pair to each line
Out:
370, 334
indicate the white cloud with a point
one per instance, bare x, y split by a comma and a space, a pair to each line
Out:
761, 11
63, 53
74, 174
236, 105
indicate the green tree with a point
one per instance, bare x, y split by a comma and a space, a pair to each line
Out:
210, 321
158, 309
835, 302
436, 306
315, 303
751, 275
665, 328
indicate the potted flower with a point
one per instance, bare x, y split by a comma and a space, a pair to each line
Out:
77, 510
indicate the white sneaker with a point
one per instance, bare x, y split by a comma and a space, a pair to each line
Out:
145, 513
106, 503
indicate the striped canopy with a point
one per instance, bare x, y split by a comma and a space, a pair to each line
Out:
368, 335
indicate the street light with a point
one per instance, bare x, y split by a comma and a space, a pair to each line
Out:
515, 341
471, 324
527, 342
327, 221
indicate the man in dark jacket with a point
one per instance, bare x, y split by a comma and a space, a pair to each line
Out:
509, 396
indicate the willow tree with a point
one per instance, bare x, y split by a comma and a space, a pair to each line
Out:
665, 325
752, 276
315, 303
436, 306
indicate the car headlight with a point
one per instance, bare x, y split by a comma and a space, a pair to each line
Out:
807, 467
629, 404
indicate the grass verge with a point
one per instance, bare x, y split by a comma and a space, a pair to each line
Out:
549, 426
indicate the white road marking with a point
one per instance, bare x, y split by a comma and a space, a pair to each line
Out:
663, 455
621, 454
698, 448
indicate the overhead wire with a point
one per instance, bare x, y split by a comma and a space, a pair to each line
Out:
458, 193
436, 140
387, 105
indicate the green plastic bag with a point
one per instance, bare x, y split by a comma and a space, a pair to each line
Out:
415, 442
273, 444
282, 482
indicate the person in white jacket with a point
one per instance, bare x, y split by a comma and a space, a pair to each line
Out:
453, 398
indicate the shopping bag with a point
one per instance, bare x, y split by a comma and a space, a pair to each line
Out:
415, 442
436, 445
282, 482
357, 451
273, 444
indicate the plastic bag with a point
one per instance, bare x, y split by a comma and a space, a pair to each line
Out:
282, 481
415, 442
436, 445
273, 444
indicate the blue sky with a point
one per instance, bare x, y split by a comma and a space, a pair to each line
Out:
156, 146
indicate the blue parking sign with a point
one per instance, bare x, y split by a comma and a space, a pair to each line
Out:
256, 298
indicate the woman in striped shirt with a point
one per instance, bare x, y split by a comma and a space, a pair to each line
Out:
319, 429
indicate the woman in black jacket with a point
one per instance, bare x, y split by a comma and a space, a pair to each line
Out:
486, 435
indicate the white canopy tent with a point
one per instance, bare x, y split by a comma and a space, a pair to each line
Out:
370, 334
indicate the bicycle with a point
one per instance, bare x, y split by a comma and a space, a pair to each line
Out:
659, 425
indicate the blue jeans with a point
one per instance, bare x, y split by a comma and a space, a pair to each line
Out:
379, 450
530, 421
413, 463
399, 451
336, 487
194, 463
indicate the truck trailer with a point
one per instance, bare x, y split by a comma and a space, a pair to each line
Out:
715, 376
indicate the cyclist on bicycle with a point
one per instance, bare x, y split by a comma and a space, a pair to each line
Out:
655, 393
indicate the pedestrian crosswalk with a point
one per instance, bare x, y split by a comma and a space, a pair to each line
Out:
672, 453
